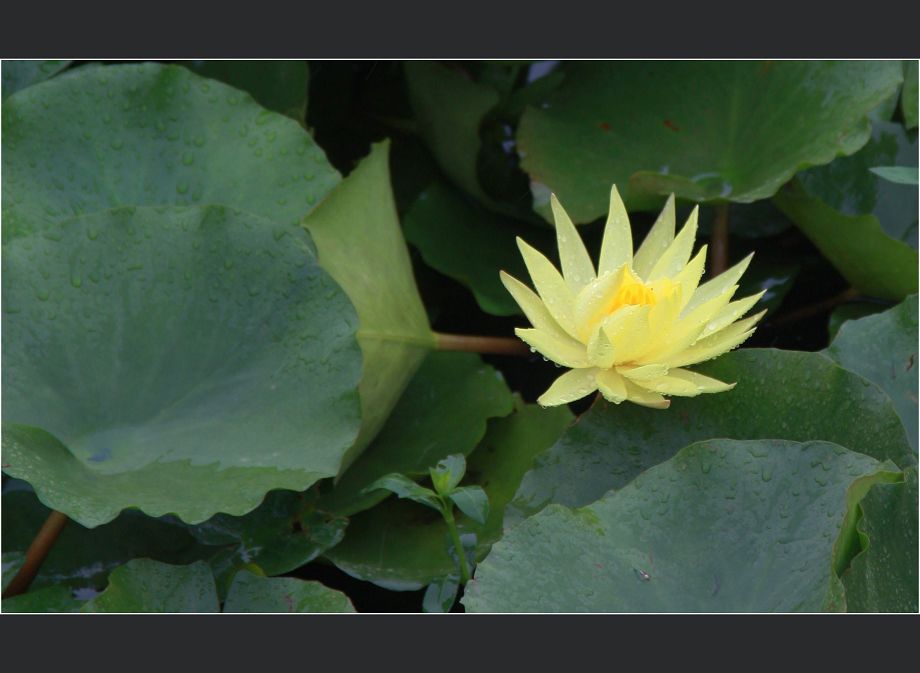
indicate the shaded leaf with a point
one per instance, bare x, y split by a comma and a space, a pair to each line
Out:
143, 585
401, 546
277, 85
471, 245
82, 558
284, 533
883, 348
450, 108
251, 593
443, 410
723, 526
18, 75
909, 94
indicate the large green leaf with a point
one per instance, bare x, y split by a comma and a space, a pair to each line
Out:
402, 545
149, 134
723, 526
883, 348
82, 558
883, 578
360, 243
181, 361
277, 85
143, 585
707, 130
443, 411
251, 593
18, 75
780, 394
471, 244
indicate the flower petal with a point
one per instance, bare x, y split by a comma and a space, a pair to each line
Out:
662, 319
675, 257
684, 332
550, 285
594, 301
600, 350
656, 242
617, 246
612, 385
643, 372
577, 268
571, 386
628, 331
730, 313
532, 305
716, 344
685, 383
644, 397
689, 277
567, 352
719, 284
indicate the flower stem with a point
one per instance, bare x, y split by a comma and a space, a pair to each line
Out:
816, 308
447, 511
35, 556
718, 243
480, 344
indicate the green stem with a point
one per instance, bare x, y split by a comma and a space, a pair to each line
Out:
447, 511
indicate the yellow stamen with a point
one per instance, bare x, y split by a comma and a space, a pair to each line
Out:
633, 293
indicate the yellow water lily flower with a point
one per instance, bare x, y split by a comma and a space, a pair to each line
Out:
630, 327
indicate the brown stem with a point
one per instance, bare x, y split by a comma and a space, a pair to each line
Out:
816, 308
718, 243
36, 554
480, 344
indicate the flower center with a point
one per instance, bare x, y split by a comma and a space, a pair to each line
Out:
632, 293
